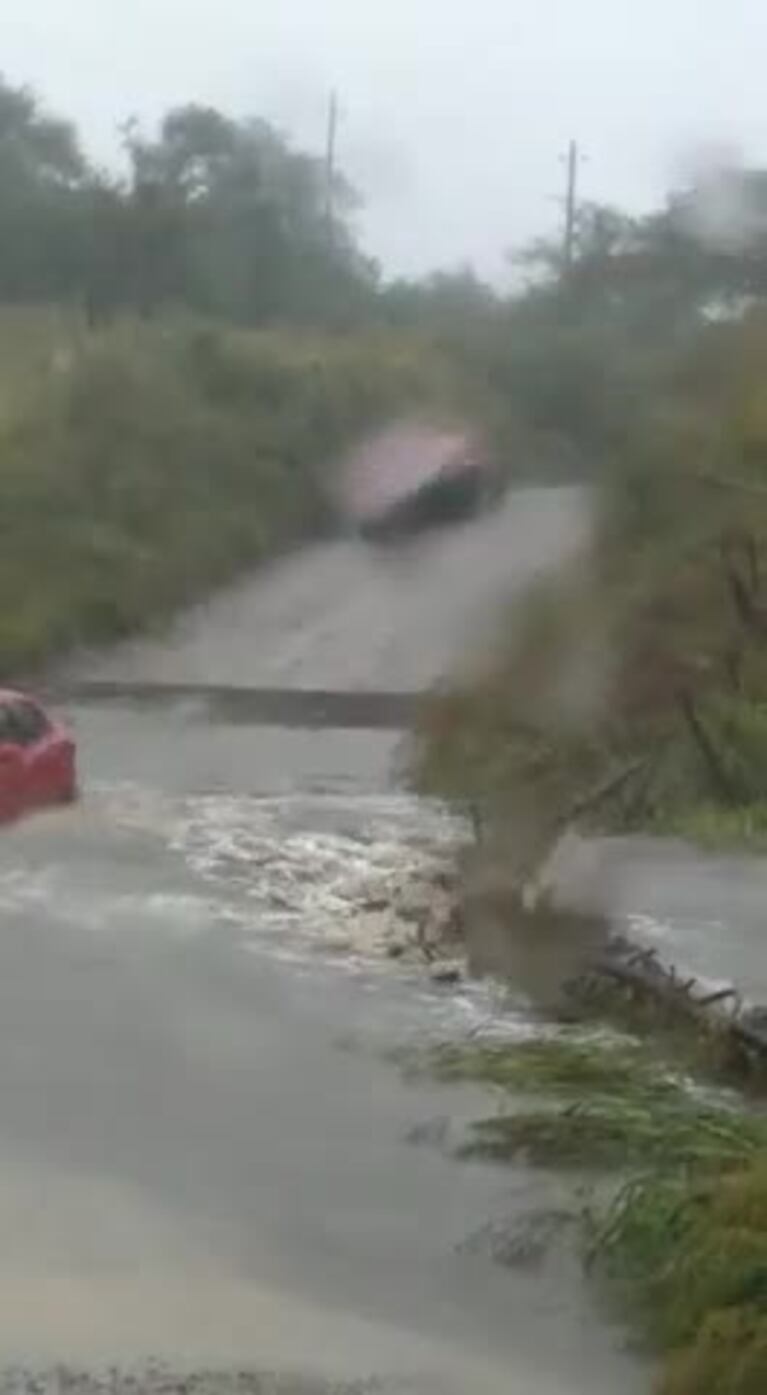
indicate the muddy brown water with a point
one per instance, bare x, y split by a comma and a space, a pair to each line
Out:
204, 1155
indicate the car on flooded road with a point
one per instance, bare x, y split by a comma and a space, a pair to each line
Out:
413, 477
38, 758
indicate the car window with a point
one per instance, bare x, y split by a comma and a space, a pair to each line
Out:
28, 722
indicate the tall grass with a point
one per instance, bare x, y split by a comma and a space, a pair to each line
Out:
682, 1244
143, 464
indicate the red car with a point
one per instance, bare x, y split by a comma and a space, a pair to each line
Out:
37, 758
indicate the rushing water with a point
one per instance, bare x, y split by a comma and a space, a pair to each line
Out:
204, 1153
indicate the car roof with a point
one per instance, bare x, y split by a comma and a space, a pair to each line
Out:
398, 461
14, 695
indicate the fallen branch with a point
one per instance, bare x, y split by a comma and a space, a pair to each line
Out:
642, 972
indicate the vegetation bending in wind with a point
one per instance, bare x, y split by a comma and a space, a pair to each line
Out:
679, 1239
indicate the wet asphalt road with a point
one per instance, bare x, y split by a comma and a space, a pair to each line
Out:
204, 1156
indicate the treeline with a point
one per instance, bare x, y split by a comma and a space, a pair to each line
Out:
578, 347
229, 219
222, 216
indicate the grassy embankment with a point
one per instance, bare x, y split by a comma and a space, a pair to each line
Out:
144, 464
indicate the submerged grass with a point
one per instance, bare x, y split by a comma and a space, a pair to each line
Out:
683, 1243
605, 1103
609, 1133
559, 1065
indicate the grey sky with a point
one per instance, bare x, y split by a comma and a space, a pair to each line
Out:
455, 111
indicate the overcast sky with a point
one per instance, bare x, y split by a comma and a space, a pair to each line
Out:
455, 112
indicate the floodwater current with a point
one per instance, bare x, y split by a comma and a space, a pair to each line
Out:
205, 1155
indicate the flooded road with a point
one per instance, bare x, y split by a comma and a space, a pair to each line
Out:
204, 1155
348, 616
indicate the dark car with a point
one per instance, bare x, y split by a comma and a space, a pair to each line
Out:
414, 476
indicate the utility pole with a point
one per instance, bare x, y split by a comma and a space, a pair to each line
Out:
330, 163
571, 205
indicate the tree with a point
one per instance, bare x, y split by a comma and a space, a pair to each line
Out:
37, 152
242, 219
222, 215
42, 172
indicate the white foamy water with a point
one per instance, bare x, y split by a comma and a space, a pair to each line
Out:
304, 880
